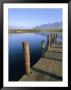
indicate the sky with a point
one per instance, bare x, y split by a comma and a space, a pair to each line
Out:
31, 17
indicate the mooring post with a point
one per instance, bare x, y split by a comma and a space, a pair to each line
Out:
27, 57
43, 45
52, 38
49, 42
55, 36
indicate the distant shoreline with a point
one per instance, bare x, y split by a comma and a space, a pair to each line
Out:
32, 31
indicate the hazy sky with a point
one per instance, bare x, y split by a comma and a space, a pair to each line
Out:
33, 17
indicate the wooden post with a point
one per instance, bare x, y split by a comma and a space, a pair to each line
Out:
27, 57
52, 38
49, 42
43, 45
55, 36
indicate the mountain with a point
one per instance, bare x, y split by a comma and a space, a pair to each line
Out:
56, 25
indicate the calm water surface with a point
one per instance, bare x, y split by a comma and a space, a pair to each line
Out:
16, 52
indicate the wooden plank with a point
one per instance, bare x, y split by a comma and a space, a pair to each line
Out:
58, 68
45, 64
56, 48
53, 55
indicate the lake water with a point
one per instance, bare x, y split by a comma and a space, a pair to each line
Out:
16, 52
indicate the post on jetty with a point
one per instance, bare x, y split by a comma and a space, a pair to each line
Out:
49, 41
27, 57
43, 45
52, 38
55, 36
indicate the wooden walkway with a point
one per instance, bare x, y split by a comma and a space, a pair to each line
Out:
48, 68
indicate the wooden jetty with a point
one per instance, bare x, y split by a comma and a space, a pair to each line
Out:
48, 68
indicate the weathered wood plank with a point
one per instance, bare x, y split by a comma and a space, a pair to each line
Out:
53, 55
58, 68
